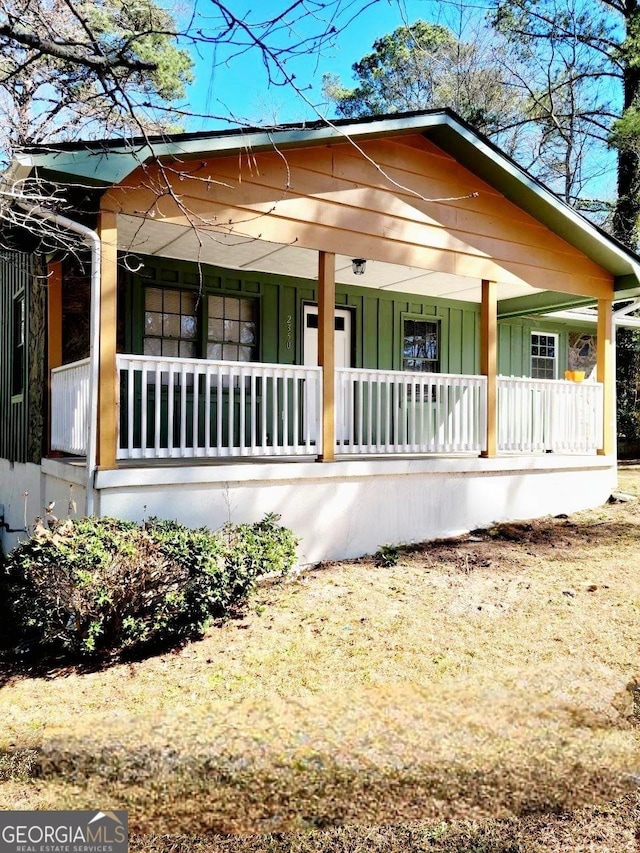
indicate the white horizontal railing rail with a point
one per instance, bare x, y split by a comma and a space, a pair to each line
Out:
549, 415
185, 408
387, 411
70, 407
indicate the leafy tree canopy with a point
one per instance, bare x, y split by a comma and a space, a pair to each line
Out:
425, 66
69, 67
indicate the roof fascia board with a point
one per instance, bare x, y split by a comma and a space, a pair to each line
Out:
111, 165
16, 172
539, 303
577, 317
487, 162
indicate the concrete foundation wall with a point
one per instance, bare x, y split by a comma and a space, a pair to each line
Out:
339, 510
347, 509
62, 484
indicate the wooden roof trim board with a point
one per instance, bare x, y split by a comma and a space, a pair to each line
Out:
108, 162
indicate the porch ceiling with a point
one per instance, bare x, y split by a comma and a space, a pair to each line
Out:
150, 237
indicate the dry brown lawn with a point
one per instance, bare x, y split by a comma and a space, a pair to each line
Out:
474, 697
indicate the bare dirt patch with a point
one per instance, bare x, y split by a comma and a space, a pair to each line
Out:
471, 692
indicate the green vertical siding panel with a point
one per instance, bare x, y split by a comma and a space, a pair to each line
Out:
504, 349
456, 341
445, 345
269, 343
356, 303
387, 356
14, 278
513, 353
469, 343
370, 338
287, 325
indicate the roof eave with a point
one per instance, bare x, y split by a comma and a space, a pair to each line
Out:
103, 165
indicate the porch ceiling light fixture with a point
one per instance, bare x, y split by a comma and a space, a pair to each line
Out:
358, 266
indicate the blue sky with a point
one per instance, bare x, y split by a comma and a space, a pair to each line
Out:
240, 88
234, 89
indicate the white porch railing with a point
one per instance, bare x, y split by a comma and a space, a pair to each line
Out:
70, 407
185, 408
181, 408
549, 415
387, 411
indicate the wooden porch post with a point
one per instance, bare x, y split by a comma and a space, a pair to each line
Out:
606, 374
107, 382
489, 361
326, 351
54, 334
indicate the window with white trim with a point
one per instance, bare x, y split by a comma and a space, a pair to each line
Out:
544, 355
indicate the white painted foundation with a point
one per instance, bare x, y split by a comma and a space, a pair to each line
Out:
349, 508
61, 483
340, 509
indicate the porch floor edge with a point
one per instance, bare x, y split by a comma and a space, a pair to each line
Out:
272, 471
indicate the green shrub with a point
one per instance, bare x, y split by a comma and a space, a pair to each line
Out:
261, 548
98, 587
388, 555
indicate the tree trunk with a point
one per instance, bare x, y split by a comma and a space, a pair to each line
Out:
627, 209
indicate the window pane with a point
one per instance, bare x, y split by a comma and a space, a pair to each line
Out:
172, 301
247, 309
152, 346
187, 327
214, 351
171, 326
152, 323
216, 330
188, 305
231, 308
231, 331
247, 333
153, 299
230, 352
216, 306
187, 349
169, 347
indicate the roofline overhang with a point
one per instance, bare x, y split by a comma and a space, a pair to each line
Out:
108, 162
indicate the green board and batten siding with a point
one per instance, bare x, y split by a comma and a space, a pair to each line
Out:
14, 282
377, 330
377, 315
377, 319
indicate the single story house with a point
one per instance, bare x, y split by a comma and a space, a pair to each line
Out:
347, 323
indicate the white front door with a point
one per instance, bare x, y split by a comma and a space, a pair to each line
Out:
342, 336
342, 344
